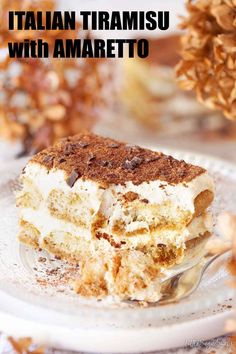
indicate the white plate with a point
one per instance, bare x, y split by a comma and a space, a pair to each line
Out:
36, 301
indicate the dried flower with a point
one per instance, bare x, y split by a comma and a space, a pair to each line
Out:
227, 228
208, 62
43, 100
24, 346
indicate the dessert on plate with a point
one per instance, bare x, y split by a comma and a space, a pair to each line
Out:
125, 214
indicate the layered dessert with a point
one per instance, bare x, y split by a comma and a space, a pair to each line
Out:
125, 214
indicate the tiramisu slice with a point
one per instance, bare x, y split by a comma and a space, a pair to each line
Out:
124, 213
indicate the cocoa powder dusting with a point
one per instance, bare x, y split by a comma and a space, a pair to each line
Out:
113, 165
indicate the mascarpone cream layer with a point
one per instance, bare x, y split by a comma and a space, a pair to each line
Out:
156, 192
109, 202
45, 223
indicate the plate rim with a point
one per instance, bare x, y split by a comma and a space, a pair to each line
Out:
131, 340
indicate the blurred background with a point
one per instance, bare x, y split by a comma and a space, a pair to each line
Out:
137, 100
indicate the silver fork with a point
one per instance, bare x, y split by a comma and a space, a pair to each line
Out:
185, 283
